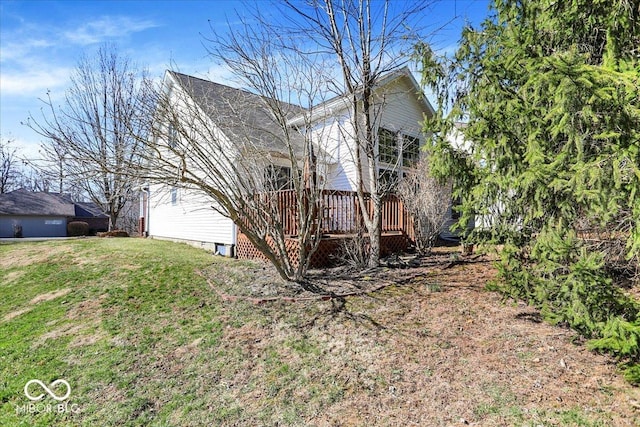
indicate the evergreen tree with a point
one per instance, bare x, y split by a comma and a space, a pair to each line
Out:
550, 94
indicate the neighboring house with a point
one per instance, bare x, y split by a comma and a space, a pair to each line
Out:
39, 214
177, 214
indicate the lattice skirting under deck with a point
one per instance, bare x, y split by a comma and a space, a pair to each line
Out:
329, 249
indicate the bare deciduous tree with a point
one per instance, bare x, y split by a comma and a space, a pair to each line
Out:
10, 174
366, 39
54, 163
94, 138
232, 146
32, 179
428, 201
317, 51
7, 165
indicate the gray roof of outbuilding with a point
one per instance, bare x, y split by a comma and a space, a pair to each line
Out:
24, 202
89, 209
243, 116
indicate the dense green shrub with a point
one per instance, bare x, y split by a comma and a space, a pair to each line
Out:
550, 95
77, 228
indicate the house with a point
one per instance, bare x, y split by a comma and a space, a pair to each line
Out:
41, 214
181, 215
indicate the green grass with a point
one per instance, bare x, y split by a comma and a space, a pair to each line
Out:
127, 303
137, 335
143, 340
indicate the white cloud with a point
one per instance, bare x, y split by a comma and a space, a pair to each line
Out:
18, 50
31, 65
28, 149
42, 55
35, 81
220, 74
105, 28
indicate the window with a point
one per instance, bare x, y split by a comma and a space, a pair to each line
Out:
278, 178
387, 146
173, 136
174, 196
410, 150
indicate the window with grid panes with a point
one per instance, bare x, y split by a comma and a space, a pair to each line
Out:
410, 150
387, 146
174, 196
173, 136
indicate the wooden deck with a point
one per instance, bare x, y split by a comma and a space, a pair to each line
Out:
339, 213
339, 218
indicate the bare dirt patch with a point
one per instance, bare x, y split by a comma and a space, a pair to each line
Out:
7, 317
82, 334
38, 299
65, 330
87, 308
191, 348
87, 311
12, 275
84, 339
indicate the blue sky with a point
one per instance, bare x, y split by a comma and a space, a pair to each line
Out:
41, 42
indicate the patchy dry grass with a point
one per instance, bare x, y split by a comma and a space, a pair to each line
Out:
48, 296
32, 254
145, 340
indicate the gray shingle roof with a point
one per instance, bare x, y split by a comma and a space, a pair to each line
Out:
89, 209
241, 115
23, 202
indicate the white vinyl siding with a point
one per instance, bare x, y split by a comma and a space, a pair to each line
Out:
402, 115
191, 218
187, 215
337, 154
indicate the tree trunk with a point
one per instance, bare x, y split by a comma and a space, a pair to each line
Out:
375, 232
113, 218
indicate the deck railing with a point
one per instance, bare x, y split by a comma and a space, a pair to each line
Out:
339, 212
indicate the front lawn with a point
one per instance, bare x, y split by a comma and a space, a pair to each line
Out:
143, 339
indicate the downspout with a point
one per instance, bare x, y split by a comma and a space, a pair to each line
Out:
144, 210
234, 239
146, 222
